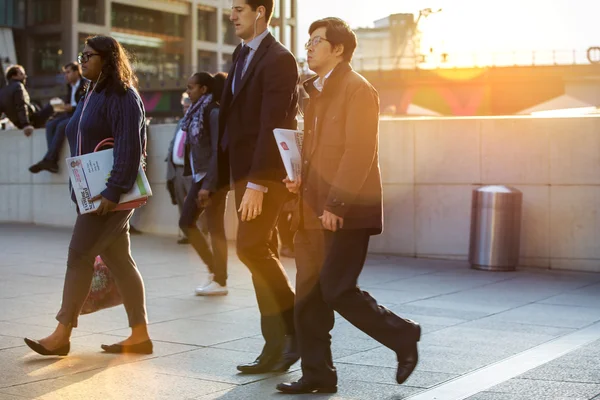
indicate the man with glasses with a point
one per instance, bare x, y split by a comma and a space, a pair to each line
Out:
55, 128
340, 207
260, 95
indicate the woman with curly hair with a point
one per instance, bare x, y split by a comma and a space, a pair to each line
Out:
112, 108
201, 124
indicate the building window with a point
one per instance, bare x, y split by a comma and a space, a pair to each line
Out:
47, 54
154, 62
207, 24
229, 31
12, 13
89, 12
207, 61
45, 12
145, 20
226, 63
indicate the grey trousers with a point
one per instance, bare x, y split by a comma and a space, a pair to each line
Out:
182, 187
107, 236
183, 184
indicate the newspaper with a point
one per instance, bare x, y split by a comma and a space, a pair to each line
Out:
289, 143
89, 174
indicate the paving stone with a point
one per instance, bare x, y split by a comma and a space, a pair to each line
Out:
133, 383
515, 396
199, 333
8, 342
552, 315
546, 388
470, 319
21, 365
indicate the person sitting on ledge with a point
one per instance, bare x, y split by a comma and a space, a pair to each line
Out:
15, 103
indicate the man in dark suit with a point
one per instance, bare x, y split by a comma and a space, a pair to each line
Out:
15, 102
55, 128
340, 207
260, 95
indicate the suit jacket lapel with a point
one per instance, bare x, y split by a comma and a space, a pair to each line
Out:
260, 53
320, 101
226, 96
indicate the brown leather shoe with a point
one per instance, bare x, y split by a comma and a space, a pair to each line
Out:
408, 357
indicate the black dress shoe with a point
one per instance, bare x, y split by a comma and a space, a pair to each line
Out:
44, 165
289, 356
262, 365
408, 358
41, 350
303, 386
139, 348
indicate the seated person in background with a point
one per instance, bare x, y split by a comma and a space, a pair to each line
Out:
55, 128
177, 184
15, 103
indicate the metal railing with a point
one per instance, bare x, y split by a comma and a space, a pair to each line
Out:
481, 59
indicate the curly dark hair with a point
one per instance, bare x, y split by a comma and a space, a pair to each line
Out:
117, 74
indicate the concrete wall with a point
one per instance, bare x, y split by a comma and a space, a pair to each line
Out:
429, 167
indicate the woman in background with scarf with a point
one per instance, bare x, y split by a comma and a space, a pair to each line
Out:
201, 126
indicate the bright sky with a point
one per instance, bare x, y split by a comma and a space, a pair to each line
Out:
475, 25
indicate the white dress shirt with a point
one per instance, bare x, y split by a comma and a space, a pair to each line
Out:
254, 44
74, 88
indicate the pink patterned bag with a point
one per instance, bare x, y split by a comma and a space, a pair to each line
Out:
104, 292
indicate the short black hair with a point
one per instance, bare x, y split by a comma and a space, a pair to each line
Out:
12, 71
269, 5
73, 66
338, 32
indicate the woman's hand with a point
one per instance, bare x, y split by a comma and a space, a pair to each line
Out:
105, 206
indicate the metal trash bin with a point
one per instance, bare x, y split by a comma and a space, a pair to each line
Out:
495, 228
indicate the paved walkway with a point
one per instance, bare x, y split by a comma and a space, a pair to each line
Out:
530, 334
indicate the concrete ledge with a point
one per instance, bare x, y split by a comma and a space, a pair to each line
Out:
429, 168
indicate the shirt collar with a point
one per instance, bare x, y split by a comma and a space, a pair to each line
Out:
76, 84
255, 43
319, 83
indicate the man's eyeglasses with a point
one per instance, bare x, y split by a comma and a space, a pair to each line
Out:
84, 57
314, 41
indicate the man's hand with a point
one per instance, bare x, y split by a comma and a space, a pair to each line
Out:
251, 206
28, 130
68, 108
203, 199
105, 206
293, 186
331, 222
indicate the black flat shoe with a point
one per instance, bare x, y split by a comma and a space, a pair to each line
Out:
41, 350
302, 387
408, 358
139, 348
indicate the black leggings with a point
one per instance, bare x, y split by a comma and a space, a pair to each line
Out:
215, 259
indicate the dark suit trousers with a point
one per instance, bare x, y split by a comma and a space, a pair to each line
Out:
328, 266
255, 248
55, 136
